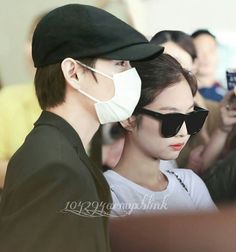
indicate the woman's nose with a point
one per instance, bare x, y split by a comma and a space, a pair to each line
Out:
183, 130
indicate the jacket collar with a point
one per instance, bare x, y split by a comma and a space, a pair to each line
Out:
51, 119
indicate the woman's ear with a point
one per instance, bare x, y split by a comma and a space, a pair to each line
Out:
129, 124
70, 71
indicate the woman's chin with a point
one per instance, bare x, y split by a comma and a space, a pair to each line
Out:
170, 156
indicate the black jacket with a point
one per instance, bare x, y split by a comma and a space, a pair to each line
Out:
51, 197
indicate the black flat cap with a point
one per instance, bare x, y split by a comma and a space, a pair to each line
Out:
83, 31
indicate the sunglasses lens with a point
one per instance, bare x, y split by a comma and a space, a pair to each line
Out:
195, 121
171, 124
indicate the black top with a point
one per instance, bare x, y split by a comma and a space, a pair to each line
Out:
51, 193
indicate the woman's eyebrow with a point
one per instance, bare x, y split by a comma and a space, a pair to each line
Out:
173, 108
168, 108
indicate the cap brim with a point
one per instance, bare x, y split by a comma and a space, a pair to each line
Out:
135, 52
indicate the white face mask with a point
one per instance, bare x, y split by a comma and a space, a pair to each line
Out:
127, 93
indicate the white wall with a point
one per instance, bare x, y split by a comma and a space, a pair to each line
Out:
151, 16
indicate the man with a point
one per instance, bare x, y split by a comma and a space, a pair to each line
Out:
207, 57
83, 78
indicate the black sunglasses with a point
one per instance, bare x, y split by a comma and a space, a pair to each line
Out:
172, 122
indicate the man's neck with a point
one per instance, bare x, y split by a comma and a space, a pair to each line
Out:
84, 122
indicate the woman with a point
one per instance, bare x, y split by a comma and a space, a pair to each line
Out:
161, 125
197, 155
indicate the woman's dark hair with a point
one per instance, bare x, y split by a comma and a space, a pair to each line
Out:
158, 74
182, 39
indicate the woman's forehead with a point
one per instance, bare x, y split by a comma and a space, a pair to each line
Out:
175, 97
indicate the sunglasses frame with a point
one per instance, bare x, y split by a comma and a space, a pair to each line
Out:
182, 117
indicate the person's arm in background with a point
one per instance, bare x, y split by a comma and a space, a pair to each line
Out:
5, 136
4, 141
203, 157
205, 232
3, 163
3, 170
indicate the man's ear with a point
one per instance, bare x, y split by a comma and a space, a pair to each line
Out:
129, 124
70, 71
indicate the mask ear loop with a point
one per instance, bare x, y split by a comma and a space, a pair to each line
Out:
94, 70
88, 95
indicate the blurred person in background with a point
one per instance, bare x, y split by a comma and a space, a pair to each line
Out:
112, 145
19, 109
207, 54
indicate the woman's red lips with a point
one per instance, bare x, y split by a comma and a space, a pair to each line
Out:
177, 147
